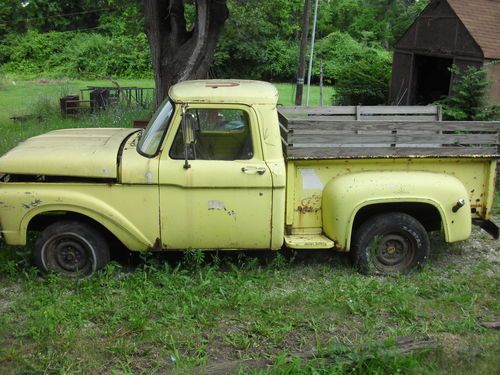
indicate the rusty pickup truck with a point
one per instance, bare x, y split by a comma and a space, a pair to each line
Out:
218, 167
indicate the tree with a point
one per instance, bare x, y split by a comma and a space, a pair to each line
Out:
468, 98
302, 52
379, 22
180, 52
260, 40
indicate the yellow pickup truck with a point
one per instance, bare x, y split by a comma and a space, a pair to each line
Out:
219, 168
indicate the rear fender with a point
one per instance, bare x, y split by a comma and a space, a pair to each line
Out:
345, 196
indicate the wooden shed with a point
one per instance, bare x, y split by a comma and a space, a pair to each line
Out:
460, 32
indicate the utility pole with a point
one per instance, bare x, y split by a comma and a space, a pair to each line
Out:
302, 55
313, 38
321, 83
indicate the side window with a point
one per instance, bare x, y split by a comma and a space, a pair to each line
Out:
218, 134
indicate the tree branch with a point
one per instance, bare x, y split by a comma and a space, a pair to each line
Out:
210, 18
178, 32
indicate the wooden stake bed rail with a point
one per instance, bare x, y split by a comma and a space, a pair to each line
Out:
319, 137
387, 113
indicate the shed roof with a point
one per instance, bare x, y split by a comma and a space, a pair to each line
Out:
482, 20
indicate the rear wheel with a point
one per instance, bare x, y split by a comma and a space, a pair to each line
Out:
390, 243
71, 248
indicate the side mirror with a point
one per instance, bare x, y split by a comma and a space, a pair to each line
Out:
188, 125
188, 122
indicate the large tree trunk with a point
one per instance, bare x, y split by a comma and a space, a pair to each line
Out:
179, 54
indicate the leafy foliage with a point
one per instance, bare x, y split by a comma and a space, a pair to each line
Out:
468, 99
260, 39
377, 22
361, 73
76, 55
366, 81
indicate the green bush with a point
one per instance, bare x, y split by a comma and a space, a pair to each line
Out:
361, 73
33, 52
77, 55
366, 81
259, 41
337, 50
467, 101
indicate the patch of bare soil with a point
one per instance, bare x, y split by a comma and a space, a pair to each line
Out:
404, 345
479, 247
7, 297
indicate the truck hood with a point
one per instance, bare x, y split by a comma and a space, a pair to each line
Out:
72, 152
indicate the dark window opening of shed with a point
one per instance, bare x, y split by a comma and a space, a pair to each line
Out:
432, 76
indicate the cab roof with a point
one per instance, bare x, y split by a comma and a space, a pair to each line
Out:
224, 91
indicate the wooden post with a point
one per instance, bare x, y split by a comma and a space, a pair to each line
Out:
302, 56
321, 83
311, 57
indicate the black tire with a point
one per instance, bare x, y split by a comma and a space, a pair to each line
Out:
389, 244
71, 248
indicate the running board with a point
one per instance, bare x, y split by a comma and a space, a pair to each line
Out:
489, 226
308, 241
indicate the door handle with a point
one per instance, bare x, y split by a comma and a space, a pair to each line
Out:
254, 170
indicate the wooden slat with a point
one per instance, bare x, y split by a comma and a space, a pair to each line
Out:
343, 110
388, 113
364, 118
334, 139
389, 152
362, 110
329, 125
399, 118
387, 132
323, 118
283, 129
404, 110
283, 120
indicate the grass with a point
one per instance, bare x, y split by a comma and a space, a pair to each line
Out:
175, 313
41, 98
36, 98
245, 313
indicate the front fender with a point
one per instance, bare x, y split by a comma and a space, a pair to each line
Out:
344, 196
103, 204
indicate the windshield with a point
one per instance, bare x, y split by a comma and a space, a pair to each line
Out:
153, 135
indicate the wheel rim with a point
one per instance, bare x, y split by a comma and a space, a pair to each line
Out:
394, 252
68, 253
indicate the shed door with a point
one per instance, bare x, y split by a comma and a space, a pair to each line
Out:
432, 78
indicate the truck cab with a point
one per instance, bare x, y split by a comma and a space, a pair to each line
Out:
221, 172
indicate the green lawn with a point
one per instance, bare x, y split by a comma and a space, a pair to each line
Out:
21, 97
305, 312
28, 98
308, 314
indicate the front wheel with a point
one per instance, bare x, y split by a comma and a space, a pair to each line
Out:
390, 243
71, 248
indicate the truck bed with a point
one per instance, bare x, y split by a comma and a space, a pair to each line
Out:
320, 147
392, 132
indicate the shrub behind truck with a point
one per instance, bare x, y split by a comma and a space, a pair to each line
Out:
218, 168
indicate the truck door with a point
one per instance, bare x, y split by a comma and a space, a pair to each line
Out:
223, 199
